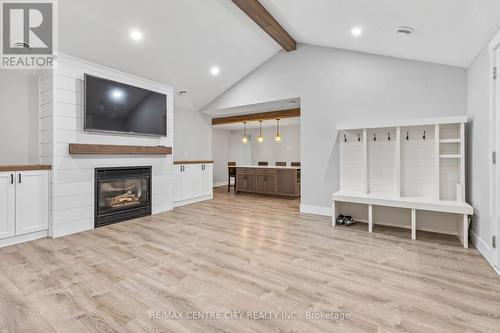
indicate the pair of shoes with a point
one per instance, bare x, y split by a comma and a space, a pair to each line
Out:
348, 220
344, 220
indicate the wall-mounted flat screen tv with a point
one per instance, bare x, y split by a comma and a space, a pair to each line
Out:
120, 108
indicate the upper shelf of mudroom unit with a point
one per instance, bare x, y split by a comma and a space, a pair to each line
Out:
404, 123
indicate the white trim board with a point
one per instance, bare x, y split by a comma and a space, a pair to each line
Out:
316, 210
483, 248
24, 238
191, 201
494, 134
404, 123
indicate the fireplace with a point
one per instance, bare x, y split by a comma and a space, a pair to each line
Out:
121, 194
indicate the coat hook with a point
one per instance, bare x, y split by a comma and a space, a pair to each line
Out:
345, 139
424, 135
374, 137
359, 139
407, 136
389, 136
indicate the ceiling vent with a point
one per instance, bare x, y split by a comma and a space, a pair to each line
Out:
405, 31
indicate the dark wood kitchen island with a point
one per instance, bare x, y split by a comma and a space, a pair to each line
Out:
270, 180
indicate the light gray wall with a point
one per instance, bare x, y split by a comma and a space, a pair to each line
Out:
18, 117
478, 155
338, 86
227, 146
192, 135
288, 150
220, 144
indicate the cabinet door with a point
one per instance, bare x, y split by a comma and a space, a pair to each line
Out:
7, 204
251, 183
178, 186
241, 182
186, 183
32, 201
195, 181
287, 182
271, 184
207, 180
260, 185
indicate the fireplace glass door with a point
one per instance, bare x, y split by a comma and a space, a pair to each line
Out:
122, 194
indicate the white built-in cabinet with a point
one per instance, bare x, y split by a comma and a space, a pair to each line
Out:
414, 164
24, 203
192, 183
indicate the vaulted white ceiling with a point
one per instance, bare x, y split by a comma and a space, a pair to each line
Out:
450, 32
182, 40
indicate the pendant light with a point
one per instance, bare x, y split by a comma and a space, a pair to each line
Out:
260, 139
245, 137
277, 138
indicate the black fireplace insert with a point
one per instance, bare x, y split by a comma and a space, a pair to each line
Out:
121, 194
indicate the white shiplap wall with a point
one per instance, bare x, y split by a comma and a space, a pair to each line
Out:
351, 166
381, 161
418, 178
61, 123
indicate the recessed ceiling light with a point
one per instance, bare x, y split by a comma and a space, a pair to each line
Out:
404, 31
135, 35
356, 31
183, 92
215, 70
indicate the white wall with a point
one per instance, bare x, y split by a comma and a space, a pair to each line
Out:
220, 144
478, 131
288, 150
192, 135
338, 86
18, 117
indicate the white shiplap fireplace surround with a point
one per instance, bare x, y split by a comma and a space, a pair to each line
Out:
61, 123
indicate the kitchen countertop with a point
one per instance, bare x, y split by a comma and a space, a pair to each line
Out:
25, 167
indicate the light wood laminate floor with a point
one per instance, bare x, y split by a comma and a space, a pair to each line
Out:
245, 253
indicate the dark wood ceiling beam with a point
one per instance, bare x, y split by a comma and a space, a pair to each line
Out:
282, 114
267, 22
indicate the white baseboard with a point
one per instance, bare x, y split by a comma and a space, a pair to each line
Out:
194, 200
220, 184
316, 210
24, 238
483, 248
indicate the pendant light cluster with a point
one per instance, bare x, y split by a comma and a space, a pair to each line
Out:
260, 138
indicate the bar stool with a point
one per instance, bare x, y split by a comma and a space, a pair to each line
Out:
280, 164
231, 173
263, 163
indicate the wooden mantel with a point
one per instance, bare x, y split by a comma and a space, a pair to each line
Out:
94, 149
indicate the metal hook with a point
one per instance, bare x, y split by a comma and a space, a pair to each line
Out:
407, 136
359, 139
345, 139
389, 136
424, 135
374, 136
